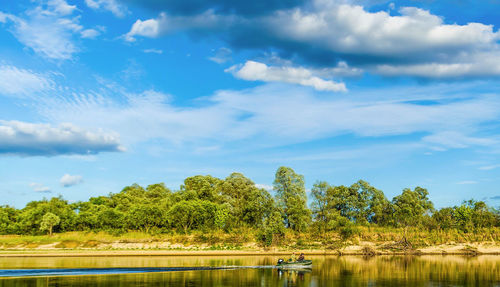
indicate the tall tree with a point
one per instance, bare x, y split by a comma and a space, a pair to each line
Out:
319, 206
375, 208
411, 206
292, 198
249, 204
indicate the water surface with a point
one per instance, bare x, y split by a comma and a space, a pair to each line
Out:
326, 271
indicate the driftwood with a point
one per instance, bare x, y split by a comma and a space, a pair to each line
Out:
401, 245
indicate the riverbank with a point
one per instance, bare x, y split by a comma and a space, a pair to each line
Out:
368, 242
364, 249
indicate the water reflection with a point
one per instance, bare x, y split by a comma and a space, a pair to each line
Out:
326, 271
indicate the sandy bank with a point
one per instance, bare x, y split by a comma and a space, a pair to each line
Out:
366, 249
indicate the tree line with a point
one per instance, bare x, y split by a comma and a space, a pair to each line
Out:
208, 203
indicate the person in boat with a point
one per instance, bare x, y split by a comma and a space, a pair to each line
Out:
301, 257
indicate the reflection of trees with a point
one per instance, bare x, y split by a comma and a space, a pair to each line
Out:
407, 270
327, 271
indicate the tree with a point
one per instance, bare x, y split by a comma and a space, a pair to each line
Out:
205, 187
292, 198
411, 205
273, 229
144, 217
249, 204
376, 207
319, 205
8, 216
49, 220
332, 206
463, 217
31, 216
444, 218
191, 214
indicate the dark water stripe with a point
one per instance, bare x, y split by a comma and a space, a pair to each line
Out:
107, 271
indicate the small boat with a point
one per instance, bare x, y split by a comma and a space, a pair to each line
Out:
302, 264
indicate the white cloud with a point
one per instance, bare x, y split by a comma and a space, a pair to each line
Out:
20, 82
455, 139
413, 43
165, 24
90, 33
61, 7
3, 17
341, 70
113, 6
49, 30
38, 187
148, 28
153, 51
489, 167
70, 180
477, 64
29, 139
222, 55
255, 71
352, 29
273, 115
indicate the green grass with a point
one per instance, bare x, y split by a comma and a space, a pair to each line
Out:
238, 239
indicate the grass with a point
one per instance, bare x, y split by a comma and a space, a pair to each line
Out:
245, 239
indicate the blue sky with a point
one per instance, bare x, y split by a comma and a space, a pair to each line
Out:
99, 94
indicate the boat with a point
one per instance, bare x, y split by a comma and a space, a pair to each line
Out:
302, 264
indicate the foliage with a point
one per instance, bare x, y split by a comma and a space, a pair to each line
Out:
208, 204
411, 206
292, 198
49, 220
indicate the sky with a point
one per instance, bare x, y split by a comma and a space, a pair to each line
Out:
96, 95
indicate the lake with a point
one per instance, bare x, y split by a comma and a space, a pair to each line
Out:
326, 271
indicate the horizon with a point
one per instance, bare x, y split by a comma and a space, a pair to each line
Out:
96, 95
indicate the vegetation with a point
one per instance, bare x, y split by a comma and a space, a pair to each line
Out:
206, 205
49, 220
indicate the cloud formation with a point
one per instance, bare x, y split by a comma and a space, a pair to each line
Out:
255, 71
322, 33
29, 139
70, 180
38, 187
275, 115
49, 30
113, 6
21, 82
221, 56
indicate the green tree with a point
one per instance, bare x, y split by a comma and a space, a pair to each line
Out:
8, 219
30, 217
444, 218
249, 204
463, 217
49, 220
320, 205
273, 230
483, 216
374, 207
187, 215
292, 198
110, 218
206, 187
144, 217
411, 205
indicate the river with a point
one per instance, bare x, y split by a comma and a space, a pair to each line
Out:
250, 271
